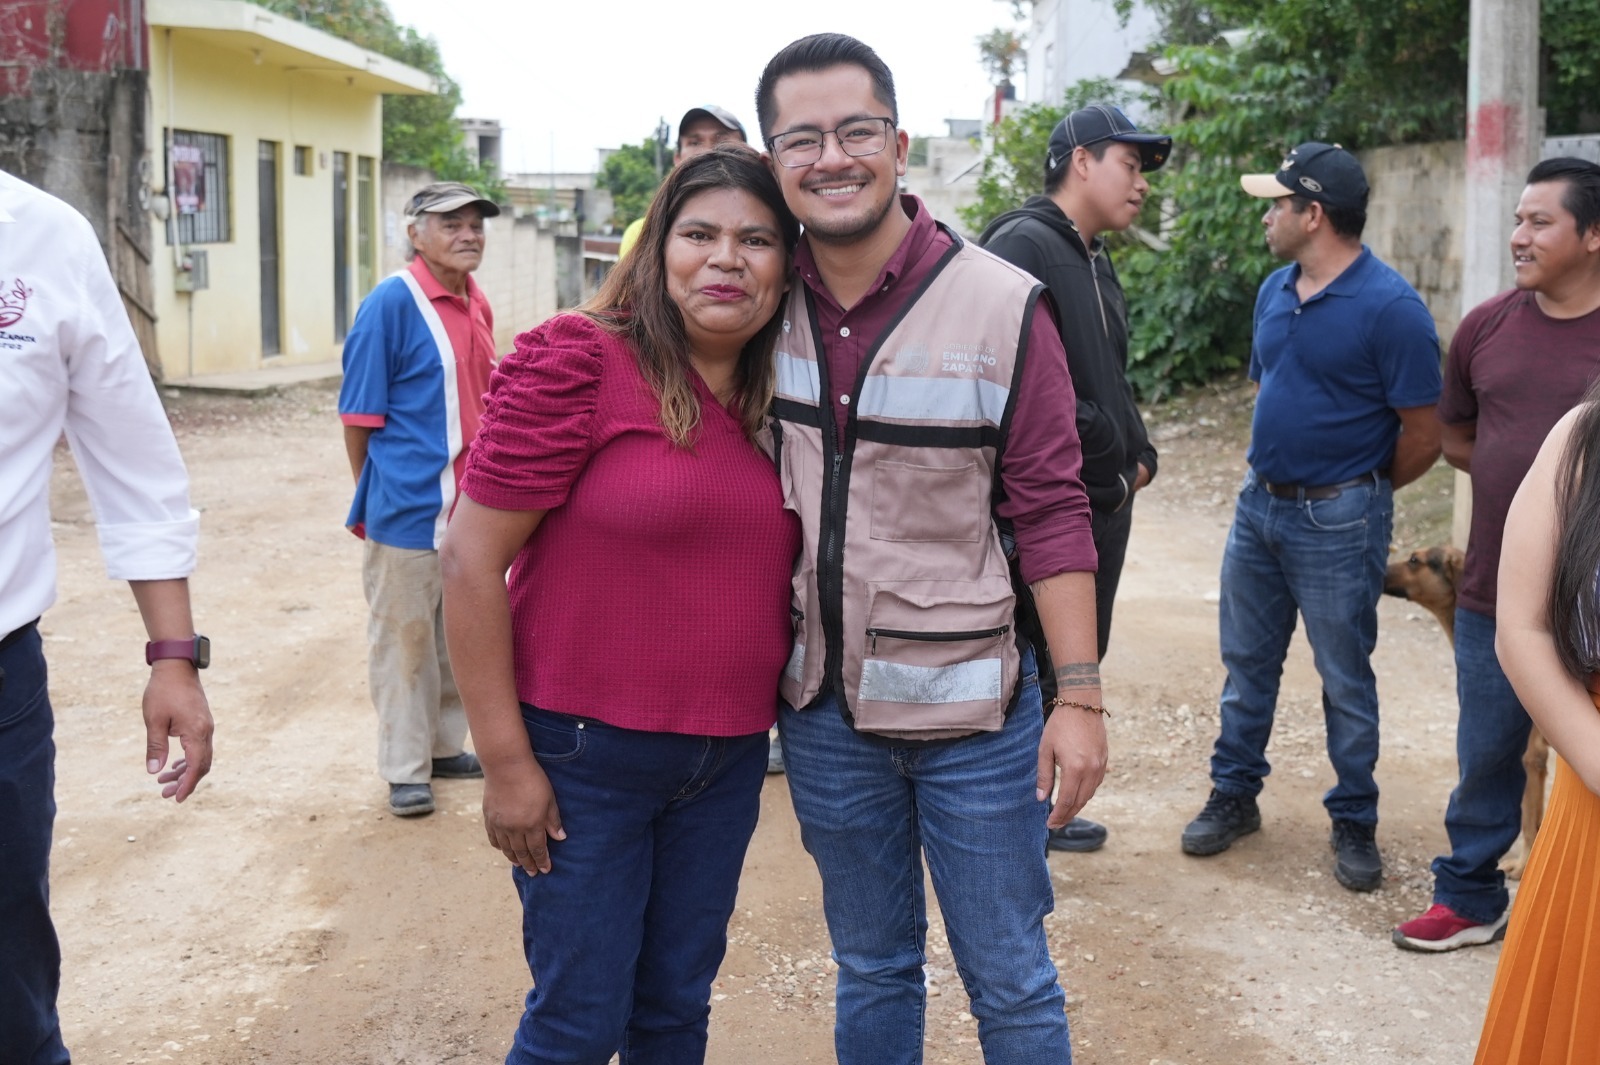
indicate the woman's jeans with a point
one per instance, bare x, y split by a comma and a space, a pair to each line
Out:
869, 813
624, 934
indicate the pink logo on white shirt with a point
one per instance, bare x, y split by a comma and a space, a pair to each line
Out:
14, 303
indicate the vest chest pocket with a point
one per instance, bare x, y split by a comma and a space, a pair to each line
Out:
924, 504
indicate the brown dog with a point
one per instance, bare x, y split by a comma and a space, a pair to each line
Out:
1428, 578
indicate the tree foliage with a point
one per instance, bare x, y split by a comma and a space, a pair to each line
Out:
1570, 30
1014, 169
630, 175
1362, 73
417, 130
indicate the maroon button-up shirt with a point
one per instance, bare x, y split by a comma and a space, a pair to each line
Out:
1039, 470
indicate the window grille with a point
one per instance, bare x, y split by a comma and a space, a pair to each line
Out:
198, 163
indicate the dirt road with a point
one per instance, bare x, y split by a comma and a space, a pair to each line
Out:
282, 916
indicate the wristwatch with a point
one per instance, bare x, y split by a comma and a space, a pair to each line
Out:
197, 650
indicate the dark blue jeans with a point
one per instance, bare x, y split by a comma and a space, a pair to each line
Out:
624, 934
870, 813
1485, 811
30, 957
1323, 559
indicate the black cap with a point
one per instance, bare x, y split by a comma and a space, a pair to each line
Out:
719, 114
1102, 122
442, 197
1325, 173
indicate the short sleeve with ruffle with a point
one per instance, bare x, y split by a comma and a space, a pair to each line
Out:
538, 420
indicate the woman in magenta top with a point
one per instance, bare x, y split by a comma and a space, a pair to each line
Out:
620, 691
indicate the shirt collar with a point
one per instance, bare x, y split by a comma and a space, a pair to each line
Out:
911, 247
433, 289
1348, 283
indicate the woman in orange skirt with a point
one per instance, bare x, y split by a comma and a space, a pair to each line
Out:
1545, 1006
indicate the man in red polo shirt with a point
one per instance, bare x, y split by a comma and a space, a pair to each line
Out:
416, 366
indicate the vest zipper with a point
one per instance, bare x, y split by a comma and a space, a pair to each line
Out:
935, 637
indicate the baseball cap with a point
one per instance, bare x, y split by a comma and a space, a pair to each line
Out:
1102, 122
712, 111
1322, 172
443, 197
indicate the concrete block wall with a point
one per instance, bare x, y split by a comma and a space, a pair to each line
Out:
1414, 220
518, 274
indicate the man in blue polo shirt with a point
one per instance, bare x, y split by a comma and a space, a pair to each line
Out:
1346, 364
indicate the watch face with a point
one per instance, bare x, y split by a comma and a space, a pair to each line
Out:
202, 652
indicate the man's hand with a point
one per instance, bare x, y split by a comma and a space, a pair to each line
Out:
1075, 741
521, 817
175, 705
1142, 478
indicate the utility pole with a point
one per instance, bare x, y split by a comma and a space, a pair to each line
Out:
1504, 130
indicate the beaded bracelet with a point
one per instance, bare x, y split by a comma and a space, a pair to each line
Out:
1062, 700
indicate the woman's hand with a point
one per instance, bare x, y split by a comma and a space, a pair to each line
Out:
521, 817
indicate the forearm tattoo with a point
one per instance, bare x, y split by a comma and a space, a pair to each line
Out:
1078, 675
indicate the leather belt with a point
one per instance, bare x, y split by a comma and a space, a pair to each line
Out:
1321, 491
16, 634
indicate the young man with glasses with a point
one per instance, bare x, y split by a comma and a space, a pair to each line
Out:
918, 388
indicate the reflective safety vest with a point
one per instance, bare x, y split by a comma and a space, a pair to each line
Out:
902, 598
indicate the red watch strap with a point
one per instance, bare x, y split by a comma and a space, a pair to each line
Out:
158, 649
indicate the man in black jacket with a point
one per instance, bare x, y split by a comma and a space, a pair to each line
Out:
1093, 184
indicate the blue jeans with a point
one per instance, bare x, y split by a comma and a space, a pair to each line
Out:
868, 814
1485, 811
624, 935
1323, 559
30, 957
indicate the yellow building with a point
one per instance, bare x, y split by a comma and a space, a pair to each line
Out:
267, 139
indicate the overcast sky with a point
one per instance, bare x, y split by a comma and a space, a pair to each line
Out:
567, 78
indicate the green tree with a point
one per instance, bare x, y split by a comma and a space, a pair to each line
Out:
1192, 299
1014, 169
417, 130
630, 175
1571, 33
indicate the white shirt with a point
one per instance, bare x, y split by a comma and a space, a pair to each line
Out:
69, 362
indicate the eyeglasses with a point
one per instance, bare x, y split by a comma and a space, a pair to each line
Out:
803, 147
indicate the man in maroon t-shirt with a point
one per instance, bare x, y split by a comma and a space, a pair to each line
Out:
1517, 364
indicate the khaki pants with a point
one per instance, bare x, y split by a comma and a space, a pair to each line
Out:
419, 710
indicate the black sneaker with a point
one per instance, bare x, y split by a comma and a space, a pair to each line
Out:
410, 800
1358, 866
1225, 819
1080, 835
463, 766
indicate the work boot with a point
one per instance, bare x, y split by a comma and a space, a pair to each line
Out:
1224, 819
1357, 865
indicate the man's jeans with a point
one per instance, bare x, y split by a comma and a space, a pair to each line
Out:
30, 958
624, 934
868, 813
1485, 812
1325, 559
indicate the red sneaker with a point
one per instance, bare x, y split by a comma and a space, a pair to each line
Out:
1441, 928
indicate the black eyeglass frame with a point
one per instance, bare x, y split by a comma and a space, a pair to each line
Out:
775, 144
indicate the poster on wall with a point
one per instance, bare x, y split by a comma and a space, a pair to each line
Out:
189, 178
